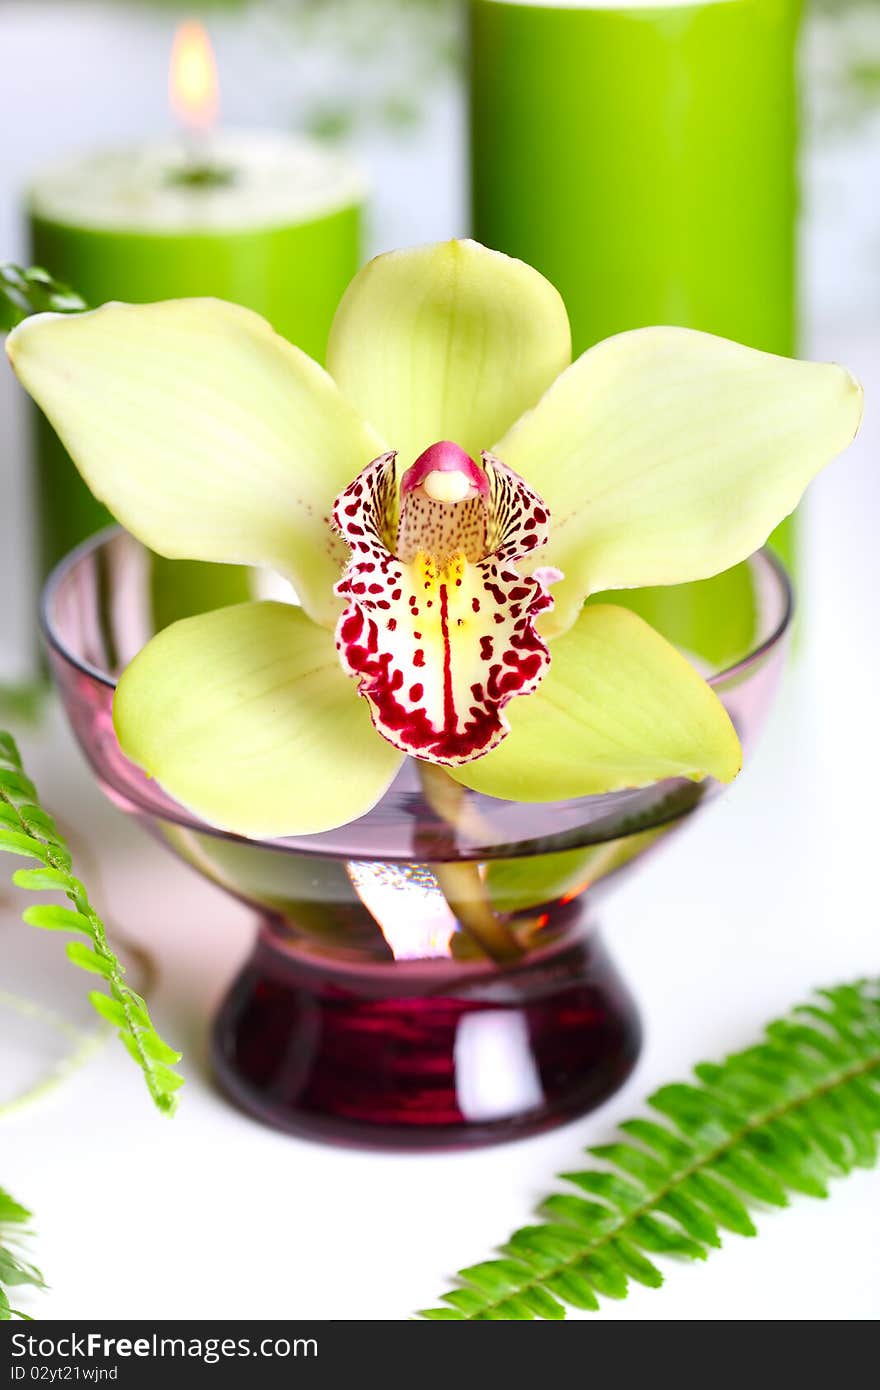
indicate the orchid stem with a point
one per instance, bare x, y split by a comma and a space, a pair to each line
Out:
461, 881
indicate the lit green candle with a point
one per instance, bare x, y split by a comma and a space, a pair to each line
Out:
267, 220
643, 158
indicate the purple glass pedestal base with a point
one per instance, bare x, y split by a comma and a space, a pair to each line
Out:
358, 1059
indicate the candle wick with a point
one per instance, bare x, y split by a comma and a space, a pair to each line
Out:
199, 168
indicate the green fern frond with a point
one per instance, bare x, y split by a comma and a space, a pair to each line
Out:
783, 1117
27, 830
33, 291
14, 1268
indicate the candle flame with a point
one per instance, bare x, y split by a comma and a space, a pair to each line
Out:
192, 78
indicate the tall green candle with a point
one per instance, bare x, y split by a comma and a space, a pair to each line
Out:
266, 220
643, 157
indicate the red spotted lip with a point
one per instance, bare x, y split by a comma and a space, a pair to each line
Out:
442, 639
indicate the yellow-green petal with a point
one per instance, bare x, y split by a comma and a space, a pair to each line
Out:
245, 717
206, 434
619, 707
667, 455
450, 341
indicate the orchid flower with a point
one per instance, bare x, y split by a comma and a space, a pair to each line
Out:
444, 499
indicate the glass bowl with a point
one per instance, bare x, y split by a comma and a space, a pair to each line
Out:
415, 982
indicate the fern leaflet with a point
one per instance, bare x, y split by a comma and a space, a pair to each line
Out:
33, 291
782, 1117
27, 830
14, 1268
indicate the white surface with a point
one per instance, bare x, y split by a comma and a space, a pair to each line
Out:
769, 894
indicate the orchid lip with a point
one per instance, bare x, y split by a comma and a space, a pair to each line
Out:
439, 626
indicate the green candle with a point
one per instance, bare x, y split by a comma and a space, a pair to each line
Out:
644, 159
266, 220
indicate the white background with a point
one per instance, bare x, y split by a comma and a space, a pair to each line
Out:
771, 892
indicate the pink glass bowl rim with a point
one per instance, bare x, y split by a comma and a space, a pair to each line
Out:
331, 843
